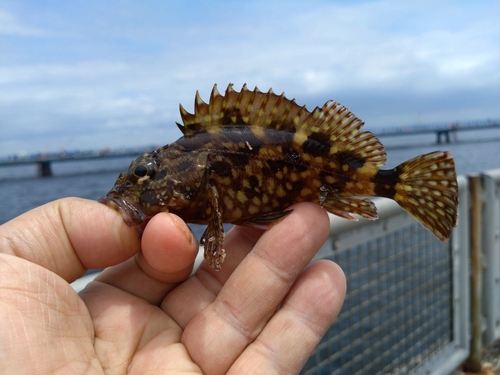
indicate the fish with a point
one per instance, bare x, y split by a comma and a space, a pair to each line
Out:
245, 157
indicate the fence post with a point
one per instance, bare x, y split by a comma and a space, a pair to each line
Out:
473, 363
491, 254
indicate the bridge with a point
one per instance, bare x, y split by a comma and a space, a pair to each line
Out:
443, 133
44, 161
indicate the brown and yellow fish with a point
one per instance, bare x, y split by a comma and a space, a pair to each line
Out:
247, 156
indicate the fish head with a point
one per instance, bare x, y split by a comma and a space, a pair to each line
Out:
141, 192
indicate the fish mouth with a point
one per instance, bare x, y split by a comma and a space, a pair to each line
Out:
133, 216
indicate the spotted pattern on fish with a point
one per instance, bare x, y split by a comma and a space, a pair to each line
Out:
246, 156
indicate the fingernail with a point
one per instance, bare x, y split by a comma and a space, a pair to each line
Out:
183, 227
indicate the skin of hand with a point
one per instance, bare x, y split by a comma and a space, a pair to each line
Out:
264, 312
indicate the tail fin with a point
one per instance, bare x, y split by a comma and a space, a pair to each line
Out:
428, 191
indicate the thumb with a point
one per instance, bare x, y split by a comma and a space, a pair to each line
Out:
69, 236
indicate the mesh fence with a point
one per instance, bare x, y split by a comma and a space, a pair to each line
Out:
398, 309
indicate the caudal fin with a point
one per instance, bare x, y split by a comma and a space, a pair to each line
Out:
427, 189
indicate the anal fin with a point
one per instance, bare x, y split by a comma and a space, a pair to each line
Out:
345, 206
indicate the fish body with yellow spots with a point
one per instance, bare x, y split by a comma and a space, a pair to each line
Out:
245, 157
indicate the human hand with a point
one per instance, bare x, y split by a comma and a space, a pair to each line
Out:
262, 313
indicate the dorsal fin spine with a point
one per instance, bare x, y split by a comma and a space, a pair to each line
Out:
182, 128
187, 119
215, 105
201, 108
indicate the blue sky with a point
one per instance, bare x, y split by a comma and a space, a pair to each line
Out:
91, 74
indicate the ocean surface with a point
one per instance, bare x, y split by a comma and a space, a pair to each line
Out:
22, 190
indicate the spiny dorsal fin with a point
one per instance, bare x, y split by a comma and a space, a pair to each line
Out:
246, 107
333, 124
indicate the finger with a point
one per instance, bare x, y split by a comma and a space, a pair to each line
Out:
69, 236
219, 334
292, 334
167, 257
199, 291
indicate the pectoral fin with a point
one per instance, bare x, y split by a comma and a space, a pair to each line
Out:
213, 237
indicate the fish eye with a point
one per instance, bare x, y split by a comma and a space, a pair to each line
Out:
142, 171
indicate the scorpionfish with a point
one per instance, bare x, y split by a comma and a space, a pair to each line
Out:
245, 157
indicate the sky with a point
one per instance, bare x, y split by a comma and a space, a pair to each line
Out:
91, 74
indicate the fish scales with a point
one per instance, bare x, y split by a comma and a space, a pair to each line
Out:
246, 156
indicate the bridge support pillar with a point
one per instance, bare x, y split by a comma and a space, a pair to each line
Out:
44, 168
445, 134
